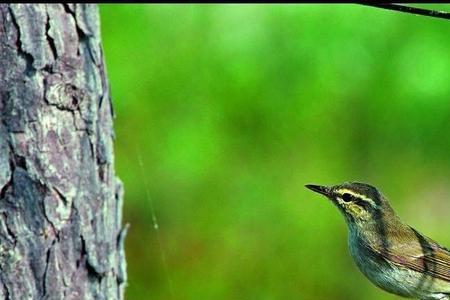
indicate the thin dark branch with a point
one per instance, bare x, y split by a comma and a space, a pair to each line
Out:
412, 10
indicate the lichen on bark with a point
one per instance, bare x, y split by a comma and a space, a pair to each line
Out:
60, 202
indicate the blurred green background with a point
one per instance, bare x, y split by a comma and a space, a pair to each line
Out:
233, 108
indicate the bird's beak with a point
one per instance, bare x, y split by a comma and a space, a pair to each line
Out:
326, 191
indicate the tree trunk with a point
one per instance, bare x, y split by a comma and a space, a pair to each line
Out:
60, 202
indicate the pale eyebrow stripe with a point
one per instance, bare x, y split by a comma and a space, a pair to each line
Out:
362, 197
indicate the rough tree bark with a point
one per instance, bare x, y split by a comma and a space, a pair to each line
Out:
60, 202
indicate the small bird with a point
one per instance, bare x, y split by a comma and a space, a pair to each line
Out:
392, 255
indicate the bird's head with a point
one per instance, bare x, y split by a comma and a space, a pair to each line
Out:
360, 203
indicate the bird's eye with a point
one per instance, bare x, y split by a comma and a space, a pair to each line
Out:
347, 197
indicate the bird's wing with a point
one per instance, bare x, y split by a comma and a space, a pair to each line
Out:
435, 262
421, 254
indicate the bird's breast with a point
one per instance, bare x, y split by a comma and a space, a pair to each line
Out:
384, 274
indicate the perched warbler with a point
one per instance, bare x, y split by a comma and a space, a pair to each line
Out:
391, 254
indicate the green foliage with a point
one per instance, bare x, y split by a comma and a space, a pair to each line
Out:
234, 108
